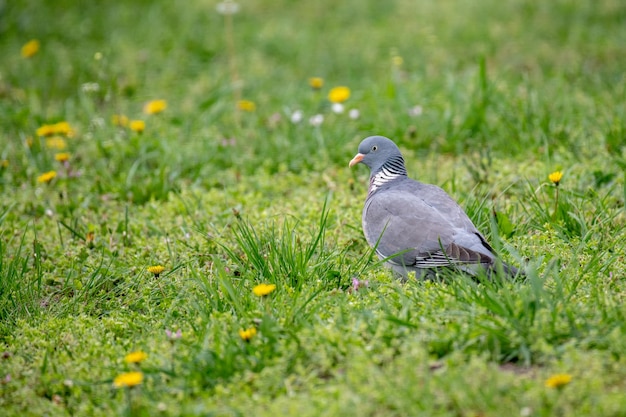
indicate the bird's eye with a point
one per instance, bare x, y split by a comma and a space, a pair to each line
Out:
374, 148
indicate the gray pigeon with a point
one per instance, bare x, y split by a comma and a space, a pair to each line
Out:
421, 222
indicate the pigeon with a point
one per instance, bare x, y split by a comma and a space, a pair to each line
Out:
418, 228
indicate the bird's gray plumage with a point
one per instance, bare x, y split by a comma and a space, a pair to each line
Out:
420, 221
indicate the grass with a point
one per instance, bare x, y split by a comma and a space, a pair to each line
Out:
485, 98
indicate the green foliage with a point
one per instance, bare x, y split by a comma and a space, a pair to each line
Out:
284, 256
20, 281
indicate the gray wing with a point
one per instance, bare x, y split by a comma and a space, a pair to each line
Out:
425, 222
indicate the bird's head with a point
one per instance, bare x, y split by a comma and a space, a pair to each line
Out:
374, 151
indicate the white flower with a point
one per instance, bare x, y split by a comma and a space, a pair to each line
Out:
90, 87
416, 111
227, 7
316, 120
525, 412
354, 114
337, 108
97, 122
296, 116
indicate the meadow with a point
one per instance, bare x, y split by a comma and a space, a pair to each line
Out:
180, 234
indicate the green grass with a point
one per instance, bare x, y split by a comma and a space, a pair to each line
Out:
227, 199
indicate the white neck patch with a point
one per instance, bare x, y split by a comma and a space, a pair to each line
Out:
381, 178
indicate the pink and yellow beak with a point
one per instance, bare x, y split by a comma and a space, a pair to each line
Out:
358, 158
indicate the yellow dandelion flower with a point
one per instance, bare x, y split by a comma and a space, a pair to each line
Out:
339, 94
56, 142
154, 106
63, 128
62, 157
397, 60
45, 130
4, 163
135, 357
137, 126
556, 177
90, 239
156, 270
246, 105
30, 48
119, 120
316, 83
263, 289
128, 379
558, 380
47, 176
247, 334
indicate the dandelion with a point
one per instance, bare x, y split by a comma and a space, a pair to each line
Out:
45, 130
558, 380
316, 83
246, 105
416, 111
128, 379
137, 126
397, 60
296, 116
248, 334
119, 120
47, 176
227, 7
62, 157
316, 120
262, 290
337, 108
135, 357
90, 239
155, 106
30, 48
61, 128
156, 270
556, 177
4, 163
339, 94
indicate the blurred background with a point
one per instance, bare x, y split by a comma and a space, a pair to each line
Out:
515, 78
